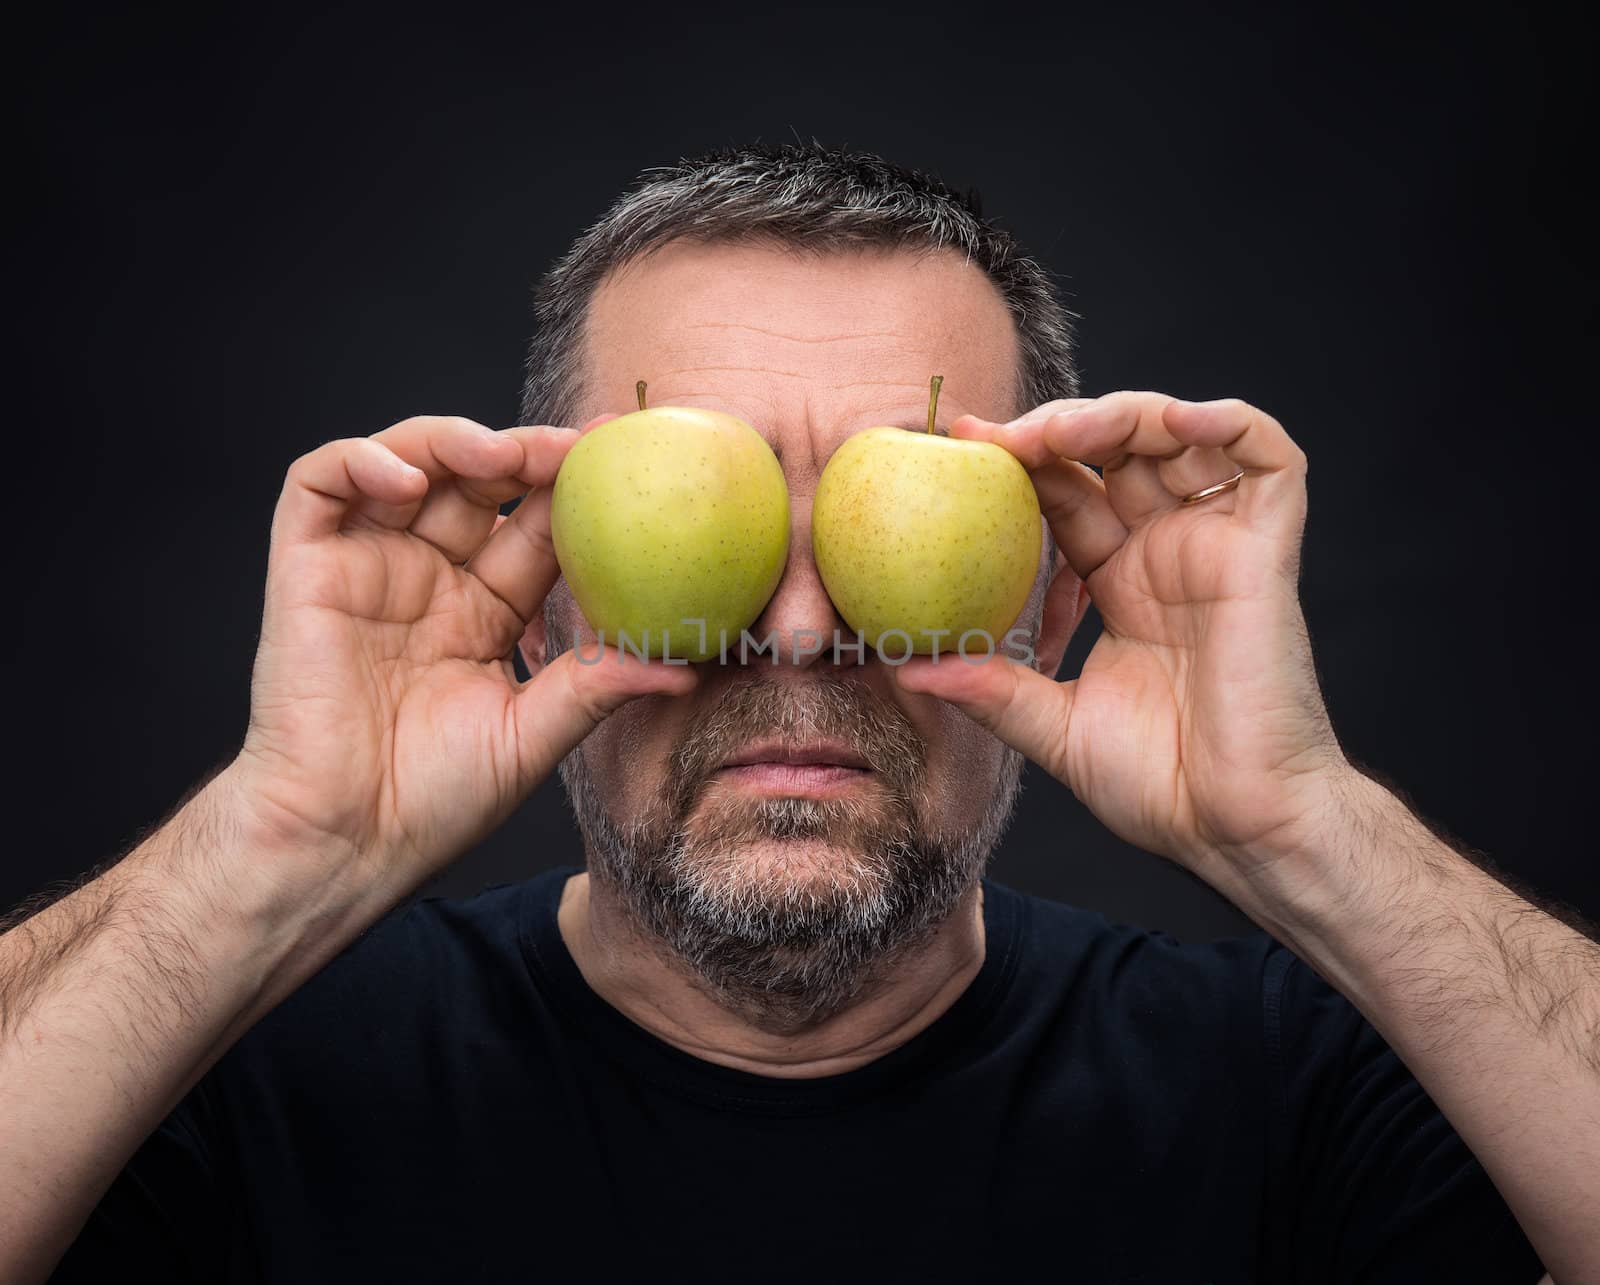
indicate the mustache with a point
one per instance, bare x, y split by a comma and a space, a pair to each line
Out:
825, 708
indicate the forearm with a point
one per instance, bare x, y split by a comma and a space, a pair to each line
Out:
117, 998
1492, 1003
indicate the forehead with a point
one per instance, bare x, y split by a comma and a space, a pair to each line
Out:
819, 345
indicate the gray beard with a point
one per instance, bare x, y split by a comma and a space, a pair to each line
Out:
783, 949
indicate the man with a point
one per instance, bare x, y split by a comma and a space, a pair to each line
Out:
782, 1028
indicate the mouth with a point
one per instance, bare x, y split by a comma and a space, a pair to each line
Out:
820, 769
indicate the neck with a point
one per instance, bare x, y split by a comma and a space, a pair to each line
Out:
635, 974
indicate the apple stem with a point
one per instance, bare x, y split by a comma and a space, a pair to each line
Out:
933, 398
639, 389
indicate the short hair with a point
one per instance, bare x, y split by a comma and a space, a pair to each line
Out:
808, 197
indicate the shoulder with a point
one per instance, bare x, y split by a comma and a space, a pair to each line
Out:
1244, 992
1139, 1012
1080, 957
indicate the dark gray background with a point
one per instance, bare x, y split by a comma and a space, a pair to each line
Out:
243, 232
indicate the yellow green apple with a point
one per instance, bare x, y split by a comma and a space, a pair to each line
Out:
929, 535
666, 517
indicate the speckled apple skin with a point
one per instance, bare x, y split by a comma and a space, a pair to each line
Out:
917, 531
671, 514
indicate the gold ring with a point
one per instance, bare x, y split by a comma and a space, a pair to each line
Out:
1218, 489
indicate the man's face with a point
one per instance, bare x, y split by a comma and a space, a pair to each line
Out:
790, 880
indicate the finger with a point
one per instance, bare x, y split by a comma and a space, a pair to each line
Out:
1135, 489
1024, 708
518, 562
1142, 486
1249, 437
1272, 494
1074, 503
1066, 598
323, 486
499, 521
1021, 436
1043, 412
1103, 431
1106, 430
571, 696
441, 445
1194, 470
1119, 428
544, 447
472, 470
1071, 497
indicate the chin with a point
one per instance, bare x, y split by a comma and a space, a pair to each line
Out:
814, 866
818, 848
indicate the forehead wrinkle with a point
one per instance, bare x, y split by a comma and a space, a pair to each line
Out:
742, 370
793, 353
796, 339
808, 376
880, 383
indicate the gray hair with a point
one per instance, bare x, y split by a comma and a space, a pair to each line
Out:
808, 197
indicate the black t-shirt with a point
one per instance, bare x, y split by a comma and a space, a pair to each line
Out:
449, 1101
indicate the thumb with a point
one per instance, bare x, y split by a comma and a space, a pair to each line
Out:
1025, 709
570, 697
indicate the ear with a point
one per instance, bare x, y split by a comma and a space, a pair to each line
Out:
531, 646
1066, 602
536, 648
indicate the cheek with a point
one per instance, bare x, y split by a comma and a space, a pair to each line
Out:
627, 755
963, 762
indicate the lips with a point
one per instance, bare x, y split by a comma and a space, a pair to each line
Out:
811, 754
778, 769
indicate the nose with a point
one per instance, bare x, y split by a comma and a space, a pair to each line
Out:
799, 623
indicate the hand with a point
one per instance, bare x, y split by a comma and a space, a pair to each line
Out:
1196, 729
386, 721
